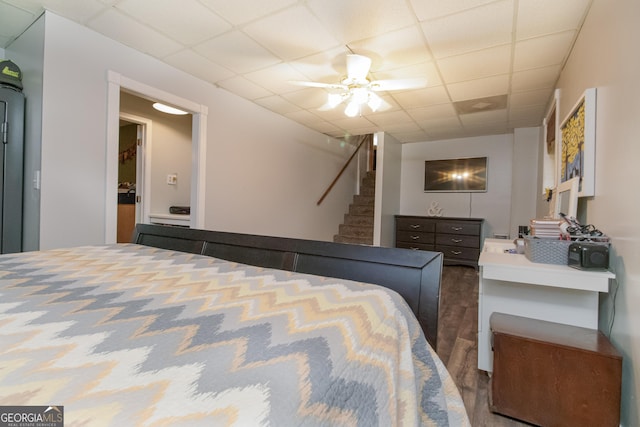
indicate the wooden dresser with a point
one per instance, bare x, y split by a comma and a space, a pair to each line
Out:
459, 239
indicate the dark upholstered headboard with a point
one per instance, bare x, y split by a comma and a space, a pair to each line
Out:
415, 275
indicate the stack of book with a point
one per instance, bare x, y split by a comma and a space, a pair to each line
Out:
546, 228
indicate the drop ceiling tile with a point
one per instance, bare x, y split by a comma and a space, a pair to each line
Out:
308, 99
354, 20
354, 123
394, 49
542, 51
480, 88
401, 127
422, 97
536, 78
471, 30
440, 134
186, 22
542, 17
410, 136
441, 124
276, 78
366, 130
236, 51
325, 127
532, 97
475, 65
277, 104
485, 117
389, 118
533, 114
76, 10
292, 33
304, 117
14, 20
33, 7
199, 66
434, 112
244, 88
431, 9
332, 115
326, 67
126, 30
242, 11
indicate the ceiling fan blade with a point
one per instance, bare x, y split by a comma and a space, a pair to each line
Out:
357, 67
333, 86
384, 106
400, 84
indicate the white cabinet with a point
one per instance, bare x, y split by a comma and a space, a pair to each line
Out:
511, 284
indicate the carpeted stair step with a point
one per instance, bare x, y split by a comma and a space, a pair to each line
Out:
361, 210
362, 220
355, 230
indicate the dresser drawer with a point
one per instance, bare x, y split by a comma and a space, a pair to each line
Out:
452, 227
459, 252
458, 240
414, 237
415, 224
416, 246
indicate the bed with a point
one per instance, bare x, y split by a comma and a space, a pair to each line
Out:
187, 327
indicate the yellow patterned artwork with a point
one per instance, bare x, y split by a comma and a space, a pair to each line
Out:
577, 145
573, 146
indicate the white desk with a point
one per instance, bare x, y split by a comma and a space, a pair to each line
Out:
170, 219
511, 284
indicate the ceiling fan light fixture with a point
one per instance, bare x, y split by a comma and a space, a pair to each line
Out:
360, 95
353, 108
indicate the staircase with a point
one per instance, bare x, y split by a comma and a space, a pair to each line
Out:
358, 223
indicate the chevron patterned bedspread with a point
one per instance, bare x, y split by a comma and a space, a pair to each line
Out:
128, 335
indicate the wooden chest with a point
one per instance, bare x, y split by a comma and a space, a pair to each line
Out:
550, 374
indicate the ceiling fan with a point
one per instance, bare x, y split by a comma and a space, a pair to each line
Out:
356, 90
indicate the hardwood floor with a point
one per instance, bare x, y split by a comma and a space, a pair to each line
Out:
458, 345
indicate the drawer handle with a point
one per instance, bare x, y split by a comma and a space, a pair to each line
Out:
456, 240
415, 237
456, 228
415, 226
456, 252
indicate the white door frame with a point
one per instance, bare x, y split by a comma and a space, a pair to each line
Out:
199, 112
143, 165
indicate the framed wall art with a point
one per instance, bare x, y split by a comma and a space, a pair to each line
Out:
578, 144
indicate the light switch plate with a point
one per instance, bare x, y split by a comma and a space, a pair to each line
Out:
172, 179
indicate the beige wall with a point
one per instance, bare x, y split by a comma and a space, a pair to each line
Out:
606, 57
264, 172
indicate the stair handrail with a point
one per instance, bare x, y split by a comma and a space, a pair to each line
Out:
365, 138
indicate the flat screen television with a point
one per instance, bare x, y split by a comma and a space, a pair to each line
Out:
451, 175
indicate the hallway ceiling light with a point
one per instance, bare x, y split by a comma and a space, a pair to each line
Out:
169, 110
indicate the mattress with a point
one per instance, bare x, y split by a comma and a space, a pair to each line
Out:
131, 335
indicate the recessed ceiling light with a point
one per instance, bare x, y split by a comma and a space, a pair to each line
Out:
169, 110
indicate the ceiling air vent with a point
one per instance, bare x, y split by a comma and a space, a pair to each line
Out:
479, 105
